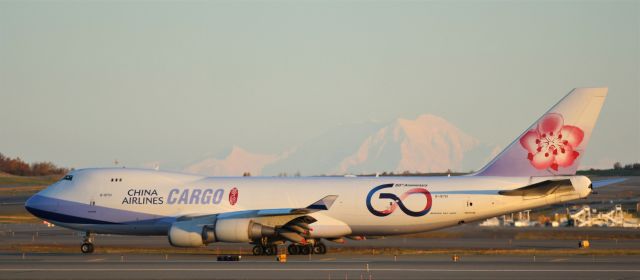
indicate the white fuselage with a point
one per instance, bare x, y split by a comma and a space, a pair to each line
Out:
147, 202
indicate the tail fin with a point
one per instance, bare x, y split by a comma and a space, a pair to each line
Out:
555, 143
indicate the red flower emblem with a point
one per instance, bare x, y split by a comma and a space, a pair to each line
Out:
551, 143
233, 196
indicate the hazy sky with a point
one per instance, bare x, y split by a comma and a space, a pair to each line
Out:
82, 84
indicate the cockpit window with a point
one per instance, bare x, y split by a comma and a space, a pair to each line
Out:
68, 177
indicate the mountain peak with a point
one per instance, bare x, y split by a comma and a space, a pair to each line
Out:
427, 144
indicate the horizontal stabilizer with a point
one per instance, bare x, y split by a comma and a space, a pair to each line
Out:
602, 183
541, 189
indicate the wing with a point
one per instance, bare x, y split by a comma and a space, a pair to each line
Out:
322, 204
290, 223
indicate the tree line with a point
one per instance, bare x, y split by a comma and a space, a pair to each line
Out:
17, 166
630, 169
630, 166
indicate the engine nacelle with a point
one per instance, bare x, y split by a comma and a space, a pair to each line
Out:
199, 232
187, 233
241, 230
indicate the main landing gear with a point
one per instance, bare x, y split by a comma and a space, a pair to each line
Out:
268, 250
293, 249
87, 243
317, 249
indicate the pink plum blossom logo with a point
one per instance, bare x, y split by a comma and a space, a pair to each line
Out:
233, 196
552, 144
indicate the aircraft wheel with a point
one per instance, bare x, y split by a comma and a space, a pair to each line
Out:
268, 250
86, 248
305, 250
258, 250
320, 249
293, 249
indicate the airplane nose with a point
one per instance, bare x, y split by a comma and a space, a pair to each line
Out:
30, 205
42, 206
38, 205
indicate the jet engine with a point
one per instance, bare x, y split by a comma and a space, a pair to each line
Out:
187, 233
201, 231
241, 230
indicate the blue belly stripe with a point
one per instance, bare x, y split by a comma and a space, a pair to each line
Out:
57, 217
64, 211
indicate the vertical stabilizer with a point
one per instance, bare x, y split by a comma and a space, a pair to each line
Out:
555, 143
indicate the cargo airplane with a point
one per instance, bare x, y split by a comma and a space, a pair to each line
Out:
537, 169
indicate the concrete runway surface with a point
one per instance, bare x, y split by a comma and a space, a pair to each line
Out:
474, 238
331, 266
203, 265
74, 265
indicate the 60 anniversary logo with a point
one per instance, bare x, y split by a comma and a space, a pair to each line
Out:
397, 201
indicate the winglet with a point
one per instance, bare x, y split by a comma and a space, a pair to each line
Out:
324, 203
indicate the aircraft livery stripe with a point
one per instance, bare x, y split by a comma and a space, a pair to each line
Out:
75, 212
52, 216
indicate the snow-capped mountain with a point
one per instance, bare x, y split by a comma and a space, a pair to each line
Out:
427, 144
237, 162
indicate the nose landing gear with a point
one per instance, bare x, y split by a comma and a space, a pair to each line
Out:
87, 243
86, 248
